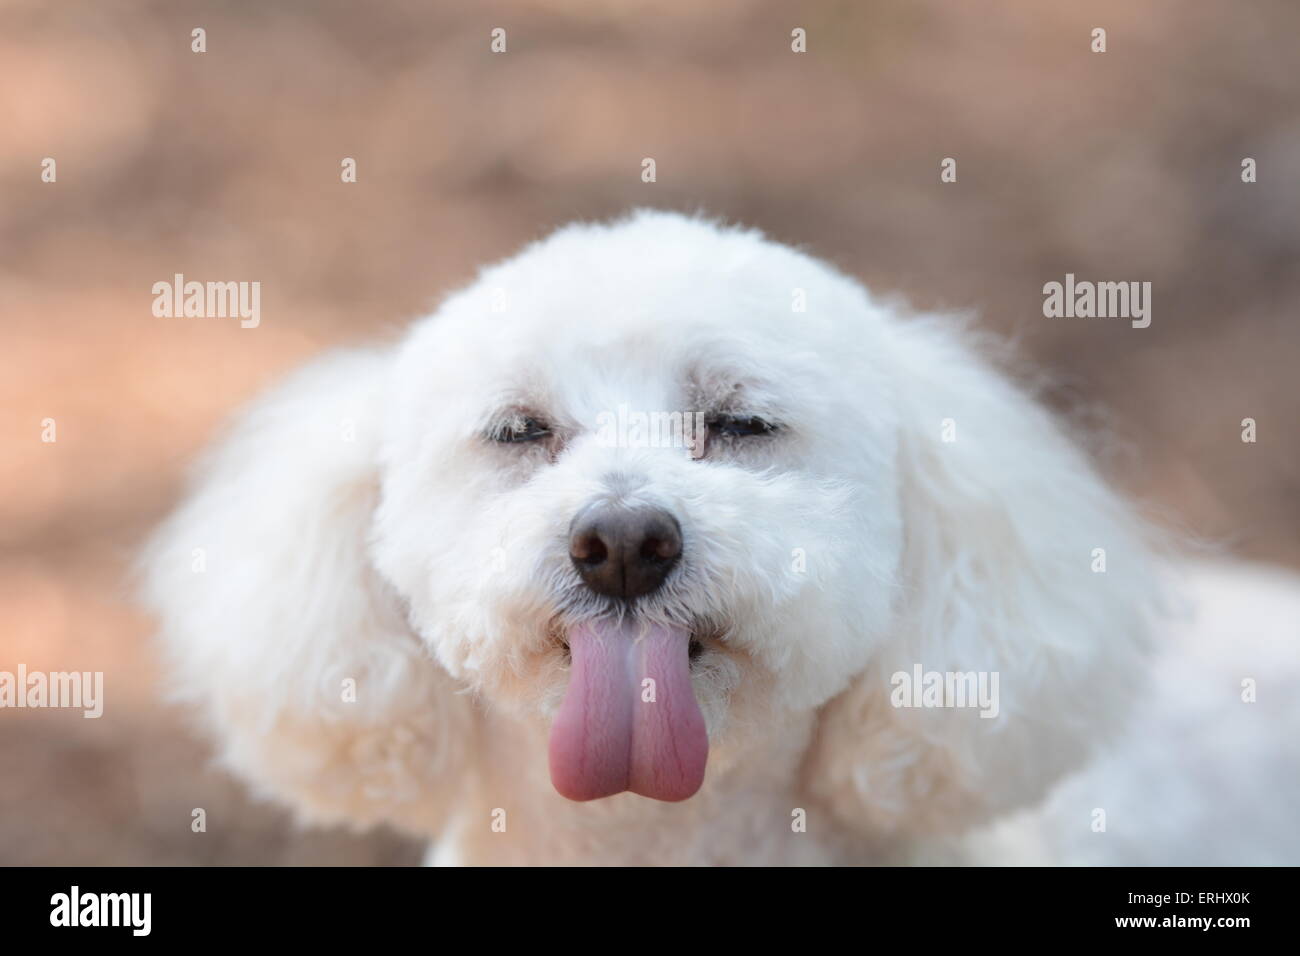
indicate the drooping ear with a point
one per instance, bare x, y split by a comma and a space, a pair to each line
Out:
1020, 567
280, 636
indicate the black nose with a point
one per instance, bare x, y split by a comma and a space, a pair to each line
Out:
624, 552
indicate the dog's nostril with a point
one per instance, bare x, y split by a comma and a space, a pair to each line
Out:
657, 549
589, 550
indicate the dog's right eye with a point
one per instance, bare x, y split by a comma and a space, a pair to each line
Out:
520, 430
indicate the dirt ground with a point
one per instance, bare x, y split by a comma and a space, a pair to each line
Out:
1121, 165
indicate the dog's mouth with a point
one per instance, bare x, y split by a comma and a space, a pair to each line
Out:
694, 650
629, 720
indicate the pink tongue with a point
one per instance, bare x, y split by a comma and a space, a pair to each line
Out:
615, 731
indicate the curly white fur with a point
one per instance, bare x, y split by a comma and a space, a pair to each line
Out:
356, 526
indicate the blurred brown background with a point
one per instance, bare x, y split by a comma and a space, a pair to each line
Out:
225, 166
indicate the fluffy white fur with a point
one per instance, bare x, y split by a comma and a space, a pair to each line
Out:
357, 526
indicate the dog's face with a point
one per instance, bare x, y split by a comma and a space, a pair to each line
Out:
641, 482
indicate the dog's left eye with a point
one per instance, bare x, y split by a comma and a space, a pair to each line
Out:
741, 426
520, 430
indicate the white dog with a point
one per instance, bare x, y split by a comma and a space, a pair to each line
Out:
661, 543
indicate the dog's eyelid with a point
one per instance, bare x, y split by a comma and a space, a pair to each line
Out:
740, 426
517, 426
764, 420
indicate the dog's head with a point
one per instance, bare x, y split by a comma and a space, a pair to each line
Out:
660, 484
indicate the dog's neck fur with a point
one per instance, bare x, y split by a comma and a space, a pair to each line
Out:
744, 814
